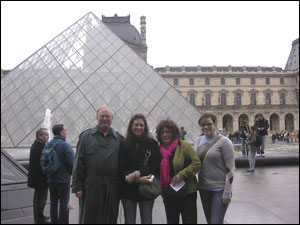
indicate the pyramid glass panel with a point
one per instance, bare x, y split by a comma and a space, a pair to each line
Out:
81, 69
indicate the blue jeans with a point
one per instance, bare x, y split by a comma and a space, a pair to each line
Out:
213, 207
146, 208
261, 149
251, 157
61, 193
245, 147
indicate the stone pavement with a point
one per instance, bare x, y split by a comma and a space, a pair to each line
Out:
270, 195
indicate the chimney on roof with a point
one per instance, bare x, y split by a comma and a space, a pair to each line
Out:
143, 29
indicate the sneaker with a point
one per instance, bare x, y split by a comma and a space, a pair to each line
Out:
262, 155
257, 154
250, 170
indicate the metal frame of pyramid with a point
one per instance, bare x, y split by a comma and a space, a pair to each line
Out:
85, 67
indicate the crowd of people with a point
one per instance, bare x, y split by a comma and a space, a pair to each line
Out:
108, 169
286, 136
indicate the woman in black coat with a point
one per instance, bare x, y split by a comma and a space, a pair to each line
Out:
133, 172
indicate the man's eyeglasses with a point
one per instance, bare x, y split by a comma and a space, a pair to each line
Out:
206, 124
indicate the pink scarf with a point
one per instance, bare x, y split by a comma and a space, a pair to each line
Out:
164, 165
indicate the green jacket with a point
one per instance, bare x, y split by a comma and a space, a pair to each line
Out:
187, 174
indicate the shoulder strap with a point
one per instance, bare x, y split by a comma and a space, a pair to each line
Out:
57, 143
203, 154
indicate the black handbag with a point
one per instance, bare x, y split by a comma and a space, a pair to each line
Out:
153, 190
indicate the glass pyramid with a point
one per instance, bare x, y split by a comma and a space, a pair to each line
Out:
81, 69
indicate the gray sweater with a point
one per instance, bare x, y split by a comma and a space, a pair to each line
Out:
218, 165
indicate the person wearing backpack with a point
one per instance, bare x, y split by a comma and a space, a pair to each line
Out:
59, 181
36, 178
261, 125
252, 151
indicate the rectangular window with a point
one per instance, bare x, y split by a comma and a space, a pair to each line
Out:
206, 81
192, 99
237, 81
222, 81
268, 99
267, 81
281, 80
175, 81
253, 81
207, 99
223, 99
191, 81
282, 98
238, 99
253, 99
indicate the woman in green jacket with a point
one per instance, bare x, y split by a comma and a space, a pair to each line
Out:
179, 166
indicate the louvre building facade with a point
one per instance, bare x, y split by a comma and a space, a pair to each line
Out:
85, 67
233, 94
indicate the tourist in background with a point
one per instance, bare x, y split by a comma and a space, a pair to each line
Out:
245, 131
36, 178
59, 181
251, 142
273, 137
182, 133
261, 125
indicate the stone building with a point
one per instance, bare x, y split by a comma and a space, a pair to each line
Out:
122, 27
236, 93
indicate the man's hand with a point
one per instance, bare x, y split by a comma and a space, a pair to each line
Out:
78, 194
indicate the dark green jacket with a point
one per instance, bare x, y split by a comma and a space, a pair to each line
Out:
185, 150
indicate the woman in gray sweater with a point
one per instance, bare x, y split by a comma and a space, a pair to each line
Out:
216, 175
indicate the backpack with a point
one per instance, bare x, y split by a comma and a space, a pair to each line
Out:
49, 160
257, 141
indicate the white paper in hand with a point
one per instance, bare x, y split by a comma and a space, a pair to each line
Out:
177, 186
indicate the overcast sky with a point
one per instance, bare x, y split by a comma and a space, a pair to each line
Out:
178, 33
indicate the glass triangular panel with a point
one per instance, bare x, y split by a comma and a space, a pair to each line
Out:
85, 67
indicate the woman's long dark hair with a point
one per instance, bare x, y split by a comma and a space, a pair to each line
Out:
130, 137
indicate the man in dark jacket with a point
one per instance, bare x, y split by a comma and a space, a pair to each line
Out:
94, 179
261, 125
59, 181
36, 178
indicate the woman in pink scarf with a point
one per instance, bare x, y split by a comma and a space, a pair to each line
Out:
179, 163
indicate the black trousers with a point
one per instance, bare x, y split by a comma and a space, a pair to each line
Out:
186, 206
39, 202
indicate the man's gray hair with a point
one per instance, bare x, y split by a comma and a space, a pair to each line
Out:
104, 107
39, 132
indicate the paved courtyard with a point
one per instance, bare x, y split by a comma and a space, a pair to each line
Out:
269, 195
